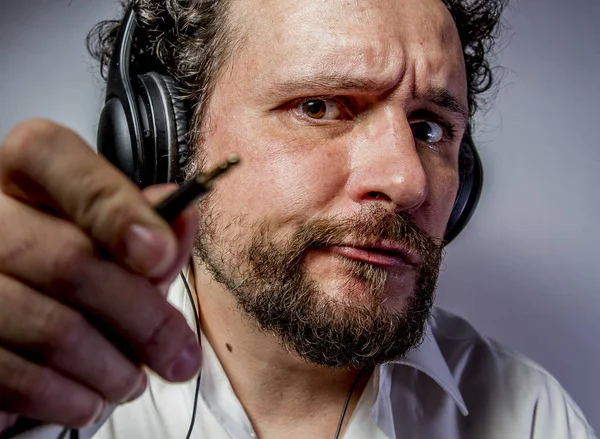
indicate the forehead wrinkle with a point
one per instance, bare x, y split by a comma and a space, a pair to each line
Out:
323, 81
344, 63
437, 65
329, 80
413, 49
442, 86
319, 39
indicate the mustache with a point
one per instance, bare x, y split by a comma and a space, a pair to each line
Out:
367, 226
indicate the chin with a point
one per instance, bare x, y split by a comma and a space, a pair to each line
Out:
348, 325
361, 285
353, 292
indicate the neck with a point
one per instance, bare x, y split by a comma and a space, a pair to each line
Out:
279, 391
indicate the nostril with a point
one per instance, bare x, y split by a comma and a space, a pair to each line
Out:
378, 196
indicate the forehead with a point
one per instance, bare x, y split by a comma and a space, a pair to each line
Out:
384, 40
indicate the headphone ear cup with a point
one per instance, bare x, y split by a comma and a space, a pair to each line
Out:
181, 113
470, 170
114, 139
165, 121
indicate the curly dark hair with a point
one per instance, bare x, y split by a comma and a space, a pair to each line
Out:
190, 40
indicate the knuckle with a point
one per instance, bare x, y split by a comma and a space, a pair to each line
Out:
17, 238
114, 378
71, 263
120, 389
33, 390
30, 387
37, 387
165, 340
108, 210
25, 140
104, 199
164, 324
42, 389
7, 420
64, 331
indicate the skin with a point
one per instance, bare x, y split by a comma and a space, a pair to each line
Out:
387, 56
59, 366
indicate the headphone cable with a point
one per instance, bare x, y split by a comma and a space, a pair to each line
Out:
197, 392
343, 414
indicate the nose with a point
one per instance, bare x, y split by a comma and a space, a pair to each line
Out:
386, 167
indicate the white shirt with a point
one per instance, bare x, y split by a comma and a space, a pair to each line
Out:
457, 385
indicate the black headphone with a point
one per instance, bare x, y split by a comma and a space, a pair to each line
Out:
144, 123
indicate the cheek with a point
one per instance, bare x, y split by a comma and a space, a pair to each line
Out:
442, 196
280, 178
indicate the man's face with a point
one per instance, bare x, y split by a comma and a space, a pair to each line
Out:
346, 117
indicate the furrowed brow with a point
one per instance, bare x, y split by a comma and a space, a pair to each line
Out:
325, 83
444, 99
328, 83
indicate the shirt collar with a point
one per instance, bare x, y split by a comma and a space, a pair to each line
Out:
428, 359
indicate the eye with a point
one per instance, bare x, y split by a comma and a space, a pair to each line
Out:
427, 131
321, 109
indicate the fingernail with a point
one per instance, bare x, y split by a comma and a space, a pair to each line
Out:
187, 363
140, 388
149, 251
101, 413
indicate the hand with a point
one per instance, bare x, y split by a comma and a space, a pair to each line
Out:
83, 257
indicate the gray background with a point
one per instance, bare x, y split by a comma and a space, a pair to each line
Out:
526, 270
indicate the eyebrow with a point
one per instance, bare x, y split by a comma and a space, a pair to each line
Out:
437, 96
327, 82
442, 98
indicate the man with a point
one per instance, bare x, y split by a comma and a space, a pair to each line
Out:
315, 261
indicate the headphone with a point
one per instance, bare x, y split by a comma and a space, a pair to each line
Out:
144, 123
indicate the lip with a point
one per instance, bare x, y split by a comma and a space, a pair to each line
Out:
382, 253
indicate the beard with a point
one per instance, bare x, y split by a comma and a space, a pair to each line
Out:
268, 276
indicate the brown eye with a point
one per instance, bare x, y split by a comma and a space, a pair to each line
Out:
321, 109
315, 108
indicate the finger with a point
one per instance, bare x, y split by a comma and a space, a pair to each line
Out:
126, 307
7, 420
155, 194
37, 392
49, 165
52, 334
184, 227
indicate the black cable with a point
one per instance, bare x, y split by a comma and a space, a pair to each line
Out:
74, 434
193, 421
21, 426
350, 392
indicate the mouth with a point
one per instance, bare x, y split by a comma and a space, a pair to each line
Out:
382, 254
